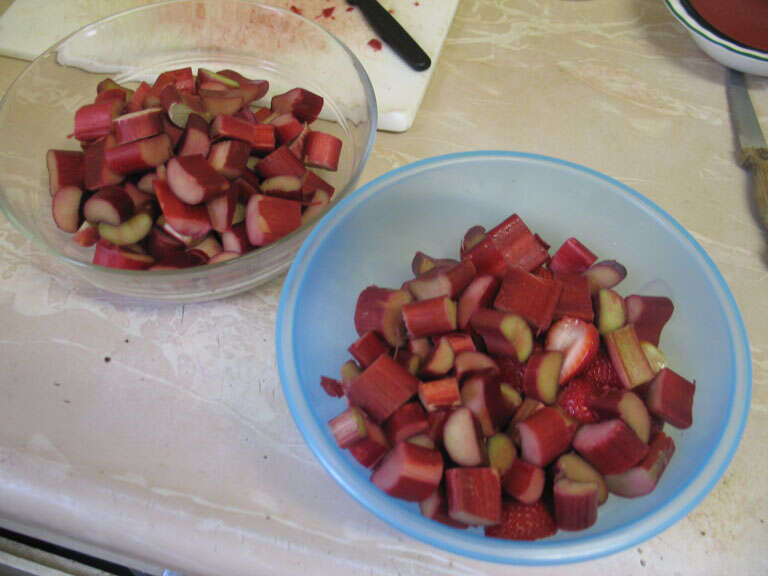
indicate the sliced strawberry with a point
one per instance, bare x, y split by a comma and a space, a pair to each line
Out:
577, 340
523, 522
602, 372
574, 399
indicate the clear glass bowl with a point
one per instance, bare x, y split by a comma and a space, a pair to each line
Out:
259, 41
427, 206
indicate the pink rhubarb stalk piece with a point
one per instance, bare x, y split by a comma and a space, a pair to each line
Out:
643, 478
649, 314
627, 356
380, 310
670, 397
530, 296
409, 472
544, 435
382, 388
474, 495
575, 504
572, 258
408, 420
524, 481
611, 446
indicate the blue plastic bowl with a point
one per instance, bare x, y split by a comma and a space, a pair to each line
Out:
370, 237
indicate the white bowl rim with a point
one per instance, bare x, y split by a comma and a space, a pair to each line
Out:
197, 270
475, 545
685, 18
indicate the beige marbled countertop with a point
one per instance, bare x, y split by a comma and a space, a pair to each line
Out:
158, 434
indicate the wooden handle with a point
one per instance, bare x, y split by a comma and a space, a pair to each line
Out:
756, 159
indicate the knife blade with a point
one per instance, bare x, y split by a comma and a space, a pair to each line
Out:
393, 34
754, 153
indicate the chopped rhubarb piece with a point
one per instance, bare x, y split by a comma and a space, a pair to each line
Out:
138, 125
501, 452
436, 422
96, 172
479, 294
93, 121
482, 395
575, 504
649, 314
408, 420
439, 361
670, 397
510, 400
424, 440
611, 446
523, 522
111, 205
460, 342
86, 236
65, 168
421, 347
448, 281
463, 439
517, 245
544, 435
269, 218
605, 274
195, 140
625, 405
349, 371
524, 481
161, 244
611, 314
380, 310
440, 394
204, 75
287, 127
263, 115
174, 133
139, 156
303, 104
372, 448
316, 207
296, 147
261, 137
430, 317
193, 180
643, 478
236, 239
66, 208
221, 102
188, 220
435, 506
408, 360
542, 375
322, 150
486, 258
472, 237
110, 95
409, 472
133, 230
469, 364
367, 348
421, 263
228, 157
574, 467
169, 96
111, 256
209, 246
474, 495
311, 183
656, 358
136, 100
575, 299
221, 210
572, 258
109, 84
349, 427
579, 341
627, 357
511, 371
382, 388
280, 163
288, 187
332, 387
503, 333
531, 297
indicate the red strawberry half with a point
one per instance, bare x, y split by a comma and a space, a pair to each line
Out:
574, 399
523, 522
579, 341
602, 372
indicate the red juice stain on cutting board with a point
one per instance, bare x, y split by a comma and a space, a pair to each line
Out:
375, 44
745, 21
328, 12
296, 10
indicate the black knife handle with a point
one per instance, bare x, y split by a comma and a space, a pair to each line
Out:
393, 34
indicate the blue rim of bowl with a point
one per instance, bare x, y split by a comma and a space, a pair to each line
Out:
475, 545
686, 20
373, 111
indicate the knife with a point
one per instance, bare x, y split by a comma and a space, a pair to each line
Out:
754, 153
393, 33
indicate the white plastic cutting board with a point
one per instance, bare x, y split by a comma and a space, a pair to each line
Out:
29, 27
